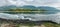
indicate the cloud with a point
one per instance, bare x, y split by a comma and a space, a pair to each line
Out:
53, 3
2, 2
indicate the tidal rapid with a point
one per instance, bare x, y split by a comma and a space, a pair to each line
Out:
32, 17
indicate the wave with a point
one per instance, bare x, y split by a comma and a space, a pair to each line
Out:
32, 17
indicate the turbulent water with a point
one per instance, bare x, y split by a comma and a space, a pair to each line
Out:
32, 17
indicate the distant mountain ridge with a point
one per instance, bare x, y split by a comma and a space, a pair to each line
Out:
3, 8
28, 7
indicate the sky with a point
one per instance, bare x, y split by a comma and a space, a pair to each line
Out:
52, 3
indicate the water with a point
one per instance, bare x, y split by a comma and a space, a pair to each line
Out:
49, 16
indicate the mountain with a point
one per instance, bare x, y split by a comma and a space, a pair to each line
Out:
13, 6
3, 8
28, 7
49, 9
40, 7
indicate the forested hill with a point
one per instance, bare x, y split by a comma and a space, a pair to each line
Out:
29, 9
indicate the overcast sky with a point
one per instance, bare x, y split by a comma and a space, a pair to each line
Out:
52, 3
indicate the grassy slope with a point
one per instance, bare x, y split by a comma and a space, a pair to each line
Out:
47, 24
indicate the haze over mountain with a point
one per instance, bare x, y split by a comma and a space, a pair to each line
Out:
50, 10
28, 6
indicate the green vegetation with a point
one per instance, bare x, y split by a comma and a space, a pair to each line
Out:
25, 11
49, 24
46, 24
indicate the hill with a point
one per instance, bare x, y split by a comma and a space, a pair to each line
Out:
50, 10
